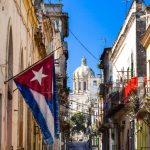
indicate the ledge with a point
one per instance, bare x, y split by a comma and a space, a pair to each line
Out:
31, 12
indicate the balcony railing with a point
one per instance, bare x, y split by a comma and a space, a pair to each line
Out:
146, 99
114, 103
147, 92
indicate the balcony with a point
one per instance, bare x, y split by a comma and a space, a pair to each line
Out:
39, 40
114, 103
55, 11
145, 104
131, 86
147, 93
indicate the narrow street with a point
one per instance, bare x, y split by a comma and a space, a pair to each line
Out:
74, 75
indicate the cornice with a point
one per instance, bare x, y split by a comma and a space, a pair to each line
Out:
21, 15
122, 37
31, 12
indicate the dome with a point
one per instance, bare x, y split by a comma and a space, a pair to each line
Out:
84, 70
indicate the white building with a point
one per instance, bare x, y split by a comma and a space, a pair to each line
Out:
84, 97
128, 64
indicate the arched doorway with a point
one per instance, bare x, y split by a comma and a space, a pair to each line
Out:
21, 108
9, 88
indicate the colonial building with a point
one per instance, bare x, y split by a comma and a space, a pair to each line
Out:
28, 34
123, 96
143, 114
105, 89
18, 49
84, 97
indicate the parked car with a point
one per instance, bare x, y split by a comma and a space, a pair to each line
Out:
80, 145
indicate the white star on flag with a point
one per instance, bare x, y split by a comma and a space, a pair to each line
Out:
38, 75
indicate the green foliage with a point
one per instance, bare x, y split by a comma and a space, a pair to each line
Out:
78, 123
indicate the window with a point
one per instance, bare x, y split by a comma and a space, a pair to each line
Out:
20, 107
79, 85
132, 67
128, 73
84, 86
94, 83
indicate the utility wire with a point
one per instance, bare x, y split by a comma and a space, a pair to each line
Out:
79, 41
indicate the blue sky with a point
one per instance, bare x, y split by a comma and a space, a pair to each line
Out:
93, 22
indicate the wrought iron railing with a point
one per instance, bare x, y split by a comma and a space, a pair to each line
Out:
113, 103
147, 91
115, 99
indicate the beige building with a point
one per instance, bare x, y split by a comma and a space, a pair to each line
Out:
18, 51
26, 37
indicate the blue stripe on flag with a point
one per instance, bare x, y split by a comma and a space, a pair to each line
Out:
29, 99
50, 103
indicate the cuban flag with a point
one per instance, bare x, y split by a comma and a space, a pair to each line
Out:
38, 87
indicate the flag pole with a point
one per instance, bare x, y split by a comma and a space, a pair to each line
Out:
32, 65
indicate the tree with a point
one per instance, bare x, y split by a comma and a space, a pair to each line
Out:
78, 123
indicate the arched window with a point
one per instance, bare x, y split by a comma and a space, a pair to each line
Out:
10, 86
21, 108
84, 86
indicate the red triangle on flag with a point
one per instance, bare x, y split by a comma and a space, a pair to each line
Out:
39, 77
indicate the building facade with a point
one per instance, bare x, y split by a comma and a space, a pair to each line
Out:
28, 34
124, 91
143, 114
84, 97
17, 46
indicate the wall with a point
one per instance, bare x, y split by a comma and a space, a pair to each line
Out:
123, 58
16, 20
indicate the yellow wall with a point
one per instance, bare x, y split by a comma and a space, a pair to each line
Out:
30, 12
142, 135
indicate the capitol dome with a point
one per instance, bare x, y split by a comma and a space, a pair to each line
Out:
84, 70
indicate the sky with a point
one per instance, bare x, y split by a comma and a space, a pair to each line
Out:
96, 24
